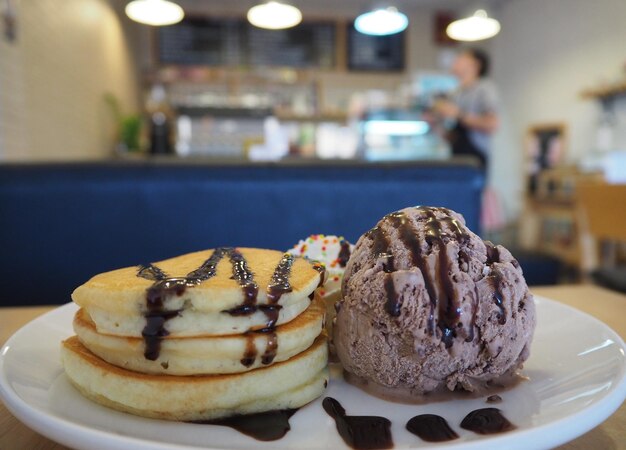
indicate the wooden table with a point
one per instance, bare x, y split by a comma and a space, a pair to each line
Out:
606, 305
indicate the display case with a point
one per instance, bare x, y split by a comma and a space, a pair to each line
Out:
395, 135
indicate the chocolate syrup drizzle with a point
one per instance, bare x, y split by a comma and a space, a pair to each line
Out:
279, 284
380, 248
322, 271
244, 276
431, 428
359, 432
344, 253
165, 287
445, 308
495, 279
493, 253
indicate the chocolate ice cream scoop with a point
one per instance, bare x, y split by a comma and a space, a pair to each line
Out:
429, 306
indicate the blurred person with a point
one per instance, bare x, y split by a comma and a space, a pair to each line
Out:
471, 113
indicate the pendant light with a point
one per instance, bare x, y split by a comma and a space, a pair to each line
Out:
155, 12
474, 28
381, 22
274, 16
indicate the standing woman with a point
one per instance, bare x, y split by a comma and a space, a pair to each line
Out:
473, 109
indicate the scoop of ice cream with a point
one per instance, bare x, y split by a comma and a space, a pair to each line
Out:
429, 306
333, 252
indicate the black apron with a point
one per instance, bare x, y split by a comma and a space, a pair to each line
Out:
462, 145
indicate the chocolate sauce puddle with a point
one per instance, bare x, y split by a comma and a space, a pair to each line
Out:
431, 428
487, 421
359, 432
265, 426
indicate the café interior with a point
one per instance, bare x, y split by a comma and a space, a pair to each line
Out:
129, 137
134, 131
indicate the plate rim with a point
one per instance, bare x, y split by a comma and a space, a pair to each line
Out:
56, 428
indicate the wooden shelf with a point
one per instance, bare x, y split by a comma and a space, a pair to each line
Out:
606, 91
551, 203
551, 220
210, 75
322, 117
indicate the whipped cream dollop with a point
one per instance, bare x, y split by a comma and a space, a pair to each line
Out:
333, 252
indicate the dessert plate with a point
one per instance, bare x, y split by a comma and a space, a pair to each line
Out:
577, 378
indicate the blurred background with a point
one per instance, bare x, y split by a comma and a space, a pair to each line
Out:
531, 92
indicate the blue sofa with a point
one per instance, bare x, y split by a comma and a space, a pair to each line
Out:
62, 223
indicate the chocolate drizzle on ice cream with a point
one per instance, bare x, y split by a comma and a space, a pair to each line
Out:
444, 307
451, 311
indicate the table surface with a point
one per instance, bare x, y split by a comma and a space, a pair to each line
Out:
608, 306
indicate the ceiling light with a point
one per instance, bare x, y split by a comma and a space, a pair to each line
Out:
474, 28
274, 16
381, 22
155, 12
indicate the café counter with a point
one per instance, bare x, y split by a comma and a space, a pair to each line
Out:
64, 222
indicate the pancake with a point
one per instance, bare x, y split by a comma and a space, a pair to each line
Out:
288, 384
191, 323
206, 355
211, 292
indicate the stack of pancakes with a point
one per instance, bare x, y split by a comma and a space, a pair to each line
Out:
201, 336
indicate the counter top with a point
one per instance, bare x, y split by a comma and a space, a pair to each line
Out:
135, 160
608, 306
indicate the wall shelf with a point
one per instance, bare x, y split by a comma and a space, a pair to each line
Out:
605, 92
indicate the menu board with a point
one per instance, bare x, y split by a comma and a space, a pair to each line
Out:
234, 42
376, 53
201, 41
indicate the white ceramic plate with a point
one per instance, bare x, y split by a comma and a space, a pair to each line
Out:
577, 377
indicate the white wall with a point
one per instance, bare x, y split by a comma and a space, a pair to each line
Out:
53, 77
547, 53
